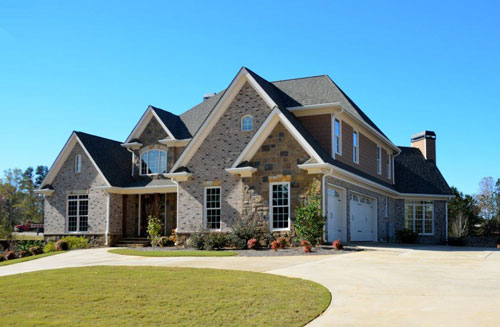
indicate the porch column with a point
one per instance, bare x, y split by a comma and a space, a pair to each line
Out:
139, 217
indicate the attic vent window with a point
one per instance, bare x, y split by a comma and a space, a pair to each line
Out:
247, 123
78, 163
153, 162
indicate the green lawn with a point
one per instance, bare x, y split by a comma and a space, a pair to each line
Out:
158, 296
33, 257
26, 237
174, 253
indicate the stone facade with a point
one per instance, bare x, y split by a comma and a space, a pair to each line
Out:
68, 182
277, 161
219, 151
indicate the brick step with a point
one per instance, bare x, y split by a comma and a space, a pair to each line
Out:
132, 242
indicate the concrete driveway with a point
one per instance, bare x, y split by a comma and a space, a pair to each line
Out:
426, 286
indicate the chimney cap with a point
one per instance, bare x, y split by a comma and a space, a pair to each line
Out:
422, 135
208, 96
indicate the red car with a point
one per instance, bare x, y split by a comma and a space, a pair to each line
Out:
29, 226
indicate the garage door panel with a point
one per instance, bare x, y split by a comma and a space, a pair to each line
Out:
362, 218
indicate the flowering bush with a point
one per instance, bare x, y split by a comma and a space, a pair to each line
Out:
306, 245
275, 245
282, 242
337, 245
252, 244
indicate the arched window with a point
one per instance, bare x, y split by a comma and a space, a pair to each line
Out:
154, 162
78, 163
247, 123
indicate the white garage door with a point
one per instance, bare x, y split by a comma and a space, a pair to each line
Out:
336, 220
363, 216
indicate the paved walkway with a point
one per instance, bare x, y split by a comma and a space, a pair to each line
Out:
425, 286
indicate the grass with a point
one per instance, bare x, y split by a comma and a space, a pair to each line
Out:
33, 257
158, 296
177, 253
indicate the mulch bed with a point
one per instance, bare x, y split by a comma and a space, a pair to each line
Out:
290, 251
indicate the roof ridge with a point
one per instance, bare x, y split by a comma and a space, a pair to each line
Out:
297, 78
104, 138
158, 108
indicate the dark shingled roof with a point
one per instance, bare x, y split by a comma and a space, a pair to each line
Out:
415, 174
146, 181
112, 159
174, 123
194, 117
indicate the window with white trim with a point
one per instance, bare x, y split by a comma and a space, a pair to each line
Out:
212, 207
280, 206
78, 163
247, 123
337, 136
379, 160
78, 213
388, 164
355, 147
419, 216
154, 162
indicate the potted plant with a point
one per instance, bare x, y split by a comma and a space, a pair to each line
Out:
307, 247
337, 245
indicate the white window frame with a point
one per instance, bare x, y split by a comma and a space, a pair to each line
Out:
379, 160
78, 200
147, 162
205, 208
388, 164
242, 123
355, 147
337, 139
413, 204
271, 206
78, 164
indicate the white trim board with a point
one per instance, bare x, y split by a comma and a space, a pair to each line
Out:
219, 109
63, 156
144, 121
275, 117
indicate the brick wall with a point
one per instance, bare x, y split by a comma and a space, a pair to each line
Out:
219, 151
68, 181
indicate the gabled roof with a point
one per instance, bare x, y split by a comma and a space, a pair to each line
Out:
194, 117
415, 174
174, 123
112, 159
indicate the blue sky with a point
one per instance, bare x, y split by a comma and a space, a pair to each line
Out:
94, 66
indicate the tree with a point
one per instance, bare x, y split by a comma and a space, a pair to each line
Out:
465, 205
11, 194
309, 219
30, 203
40, 174
486, 198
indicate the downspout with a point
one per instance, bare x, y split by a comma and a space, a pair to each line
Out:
446, 222
108, 204
323, 198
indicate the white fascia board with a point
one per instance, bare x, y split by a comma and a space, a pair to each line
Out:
179, 177
174, 142
315, 168
140, 189
315, 109
144, 121
221, 106
413, 196
265, 129
242, 171
63, 156
44, 191
131, 145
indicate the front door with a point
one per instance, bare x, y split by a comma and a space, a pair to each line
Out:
336, 215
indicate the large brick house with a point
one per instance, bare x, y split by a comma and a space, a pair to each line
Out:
253, 149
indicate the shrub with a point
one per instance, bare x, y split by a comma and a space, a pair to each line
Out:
165, 241
76, 242
245, 229
23, 247
61, 245
407, 236
252, 244
49, 247
35, 250
216, 241
282, 242
275, 245
309, 220
456, 241
10, 255
2, 258
337, 245
198, 240
154, 228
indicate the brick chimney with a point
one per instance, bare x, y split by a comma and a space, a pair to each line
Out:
426, 142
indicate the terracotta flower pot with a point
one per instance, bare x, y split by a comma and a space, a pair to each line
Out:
307, 248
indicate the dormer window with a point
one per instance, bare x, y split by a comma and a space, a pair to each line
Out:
78, 163
247, 123
154, 162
